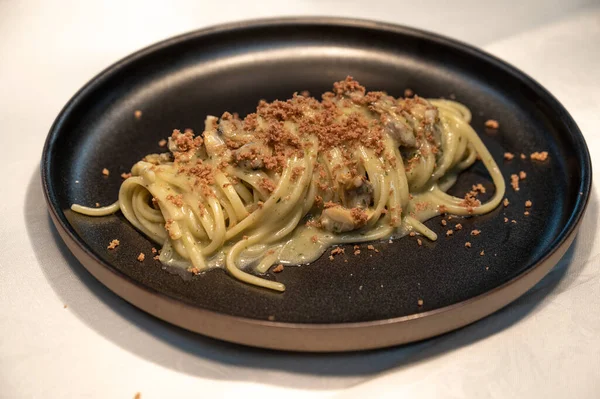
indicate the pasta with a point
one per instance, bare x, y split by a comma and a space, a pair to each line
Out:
298, 176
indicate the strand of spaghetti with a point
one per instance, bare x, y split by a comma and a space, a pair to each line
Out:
102, 211
255, 216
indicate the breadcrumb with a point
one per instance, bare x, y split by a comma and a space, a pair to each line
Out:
337, 251
467, 244
314, 239
506, 202
475, 232
523, 156
522, 175
505, 220
278, 268
137, 113
444, 222
482, 253
492, 124
97, 205
419, 241
141, 257
372, 248
412, 234
113, 244
528, 204
458, 226
125, 175
408, 93
449, 233
420, 302
154, 250
162, 143
509, 156
105, 172
526, 213
514, 182
539, 156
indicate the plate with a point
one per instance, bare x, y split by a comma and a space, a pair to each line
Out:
372, 300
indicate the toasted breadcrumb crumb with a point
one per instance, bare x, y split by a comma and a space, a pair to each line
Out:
314, 239
509, 156
408, 93
162, 143
514, 182
482, 253
337, 251
105, 172
113, 244
506, 202
420, 302
522, 175
492, 124
156, 257
125, 175
278, 268
478, 187
523, 156
513, 221
356, 250
412, 234
419, 241
505, 220
137, 113
141, 257
444, 222
154, 250
475, 232
539, 156
330, 257
449, 233
526, 213
458, 226
467, 244
528, 204
97, 205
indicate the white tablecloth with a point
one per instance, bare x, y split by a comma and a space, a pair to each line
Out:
546, 344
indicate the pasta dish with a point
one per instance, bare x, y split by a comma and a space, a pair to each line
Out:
296, 177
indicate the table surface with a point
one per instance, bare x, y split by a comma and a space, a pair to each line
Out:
546, 344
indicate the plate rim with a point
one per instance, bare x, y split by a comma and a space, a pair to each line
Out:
350, 334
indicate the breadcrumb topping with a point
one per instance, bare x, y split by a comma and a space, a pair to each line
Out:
522, 175
514, 182
492, 124
141, 257
509, 156
105, 172
278, 268
539, 156
113, 244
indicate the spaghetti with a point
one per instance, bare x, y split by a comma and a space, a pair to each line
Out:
298, 176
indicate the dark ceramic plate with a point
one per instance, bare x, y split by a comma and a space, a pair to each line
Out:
370, 301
